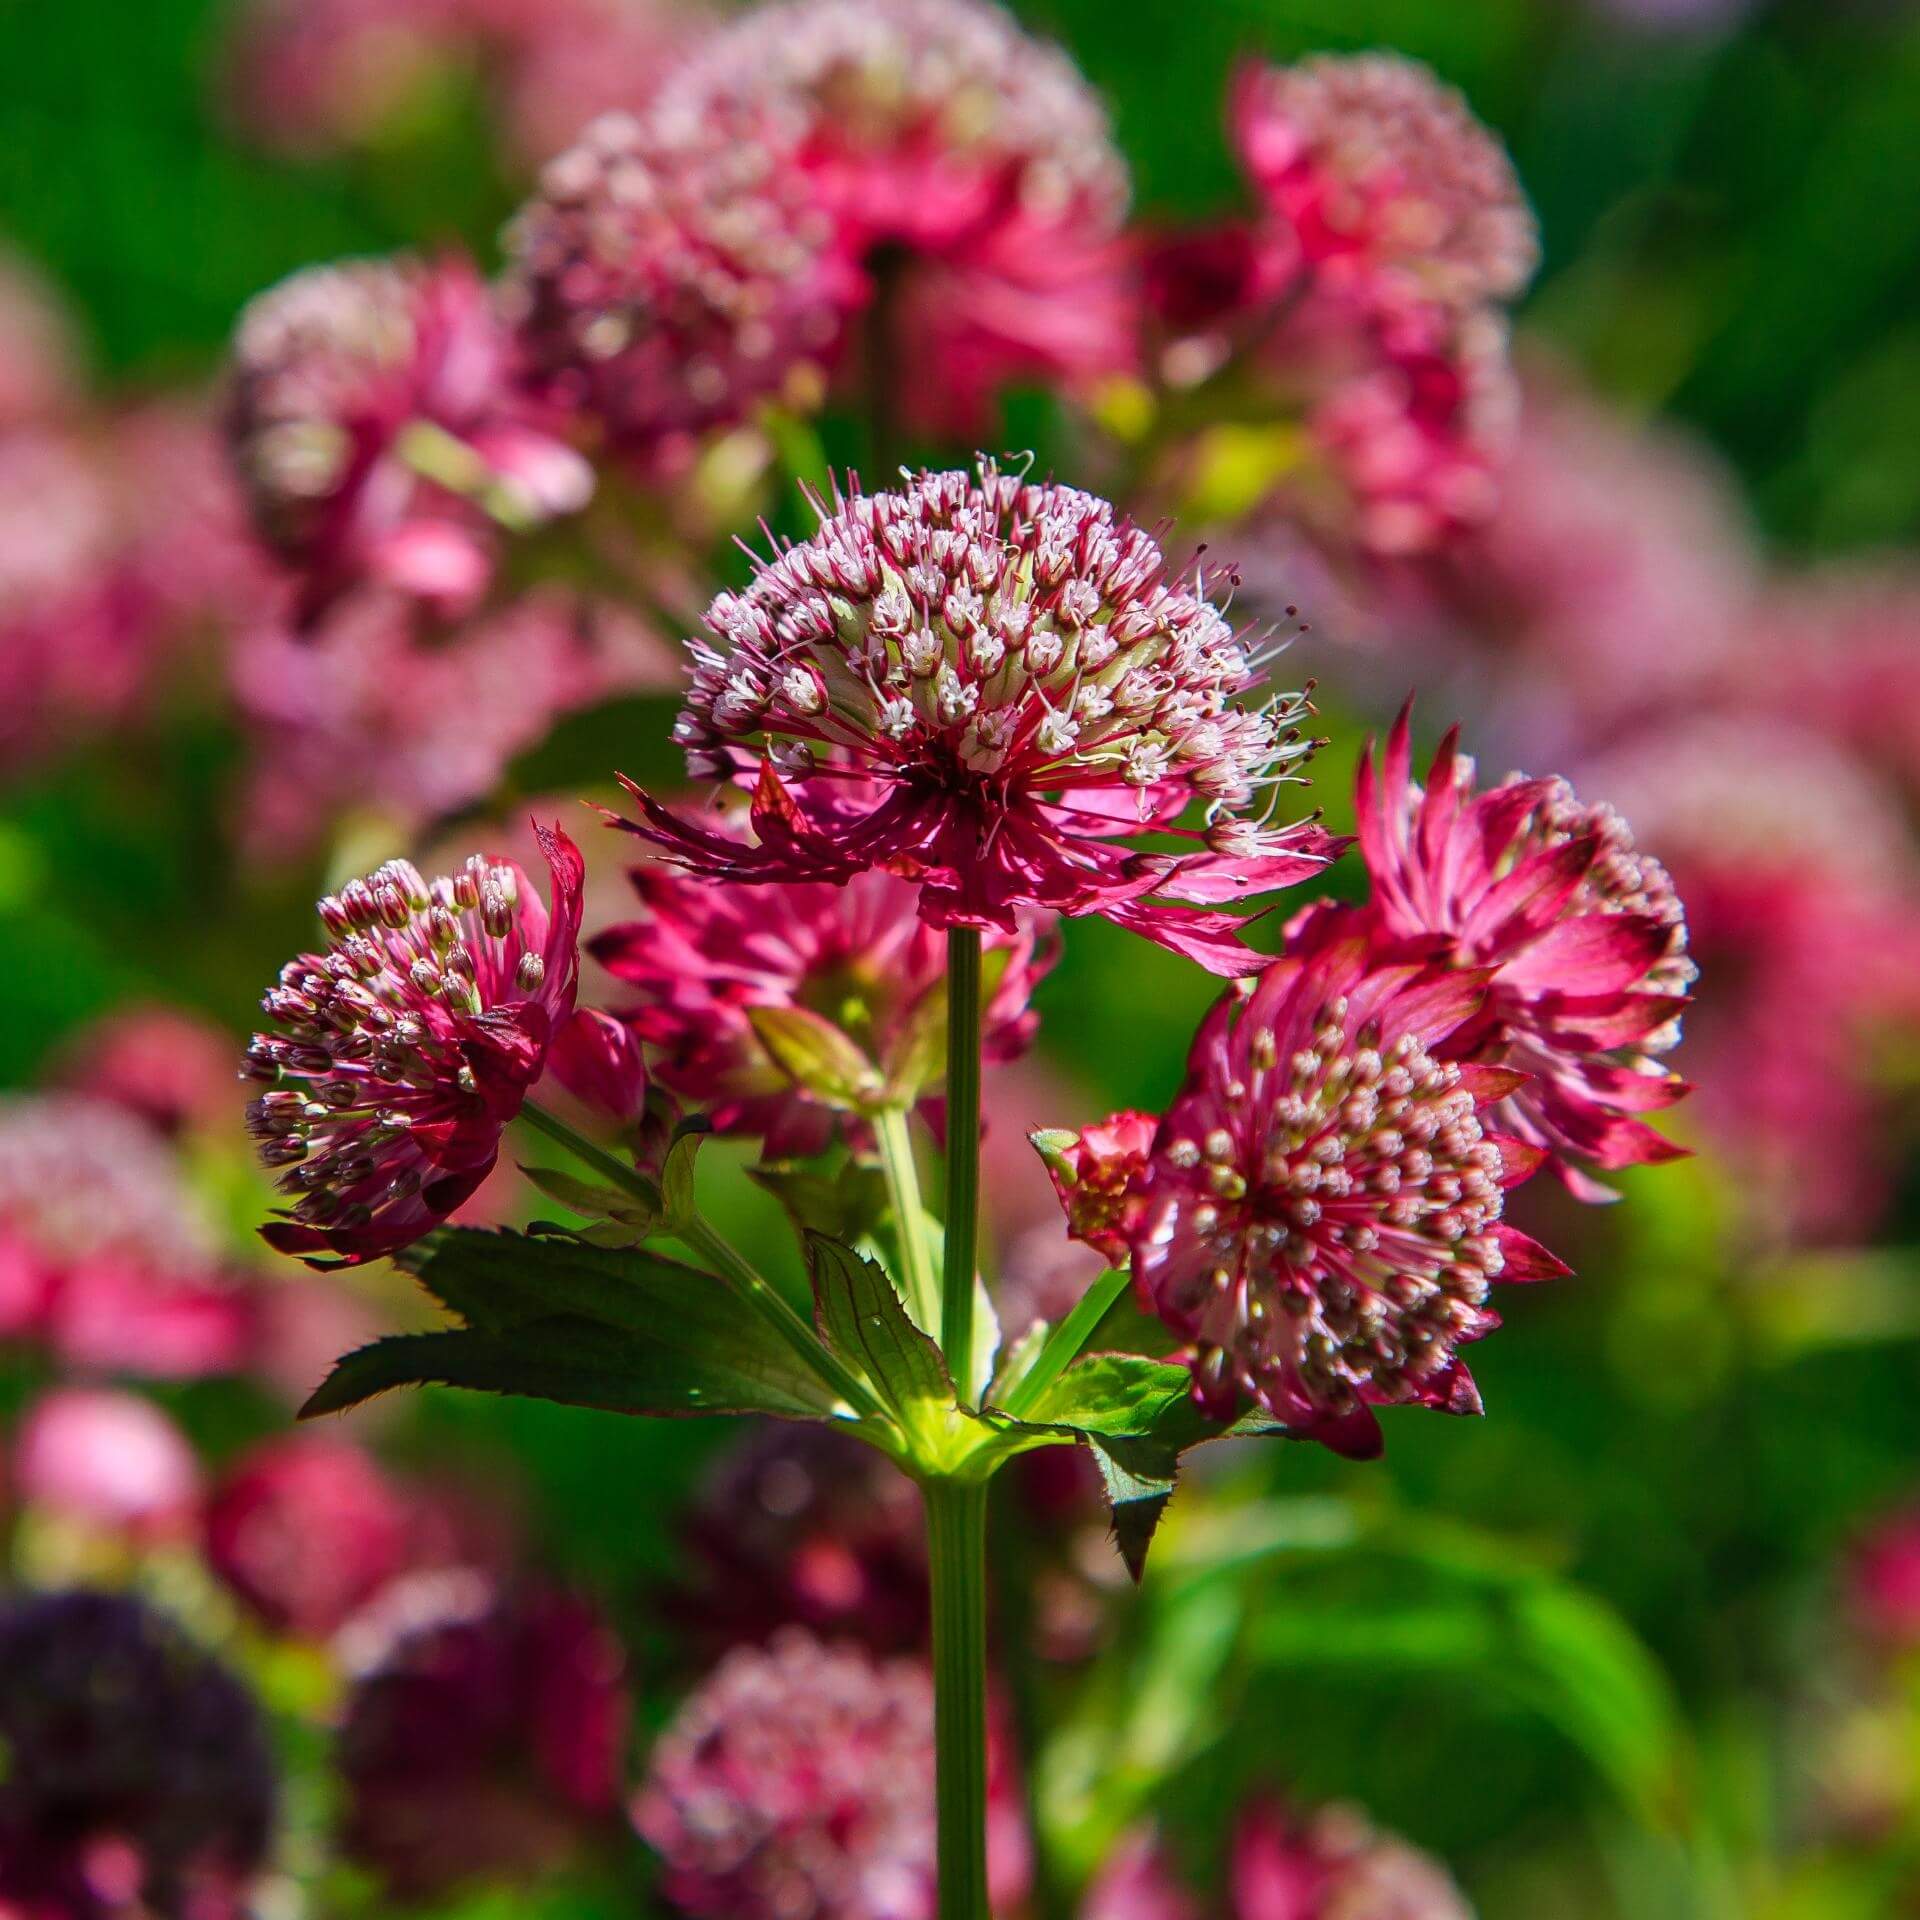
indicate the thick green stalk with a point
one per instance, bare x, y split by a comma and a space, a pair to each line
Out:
893, 1129
957, 1558
963, 1156
747, 1282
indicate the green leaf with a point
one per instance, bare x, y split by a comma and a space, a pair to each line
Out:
676, 1173
578, 1363
847, 1204
1138, 1475
500, 1283
863, 1318
591, 1201
815, 1055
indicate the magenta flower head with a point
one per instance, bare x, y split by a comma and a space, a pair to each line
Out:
797, 1784
107, 1462
994, 687
168, 1066
1581, 936
483, 1731
971, 172
1380, 171
139, 1776
855, 965
1319, 1213
376, 425
405, 1048
671, 273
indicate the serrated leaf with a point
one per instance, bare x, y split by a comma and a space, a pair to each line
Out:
579, 1363
861, 1315
1138, 1476
815, 1055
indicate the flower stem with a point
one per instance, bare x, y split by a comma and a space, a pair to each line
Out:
963, 1155
747, 1282
893, 1129
957, 1557
1063, 1344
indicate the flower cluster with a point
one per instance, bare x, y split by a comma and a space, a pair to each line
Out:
407, 1046
797, 1784
994, 685
378, 427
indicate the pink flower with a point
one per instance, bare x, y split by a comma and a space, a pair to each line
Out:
361, 715
1010, 669
1137, 1882
1319, 1216
1379, 172
856, 958
305, 1530
170, 1067
107, 1461
484, 1732
408, 1045
380, 435
1581, 937
104, 1258
969, 168
1095, 1173
1885, 1580
672, 273
797, 1784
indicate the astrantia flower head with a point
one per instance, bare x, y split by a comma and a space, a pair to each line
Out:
138, 1778
377, 427
162, 1063
857, 958
968, 167
671, 272
1377, 168
995, 688
106, 1461
1581, 935
405, 1048
104, 1258
1319, 1216
797, 1784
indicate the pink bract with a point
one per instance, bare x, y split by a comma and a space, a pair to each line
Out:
1009, 668
1581, 937
407, 1046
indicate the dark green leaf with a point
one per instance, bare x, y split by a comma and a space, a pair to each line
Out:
1138, 1475
862, 1316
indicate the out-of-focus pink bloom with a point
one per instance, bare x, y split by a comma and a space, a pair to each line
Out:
797, 1784
379, 431
172, 1068
1800, 882
305, 1530
801, 1526
39, 358
856, 957
301, 1329
1579, 935
1379, 172
139, 1774
78, 636
483, 1734
1884, 1579
1137, 1882
107, 1461
361, 715
104, 1258
1319, 1217
672, 273
969, 168
406, 1048
1010, 670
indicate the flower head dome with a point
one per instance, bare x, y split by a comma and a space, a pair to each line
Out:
858, 958
797, 1784
1583, 935
104, 1257
376, 425
139, 1775
405, 1048
1379, 169
994, 687
671, 273
970, 169
1319, 1213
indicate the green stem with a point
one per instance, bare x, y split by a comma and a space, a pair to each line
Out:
893, 1129
747, 1282
963, 1155
957, 1557
1063, 1344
